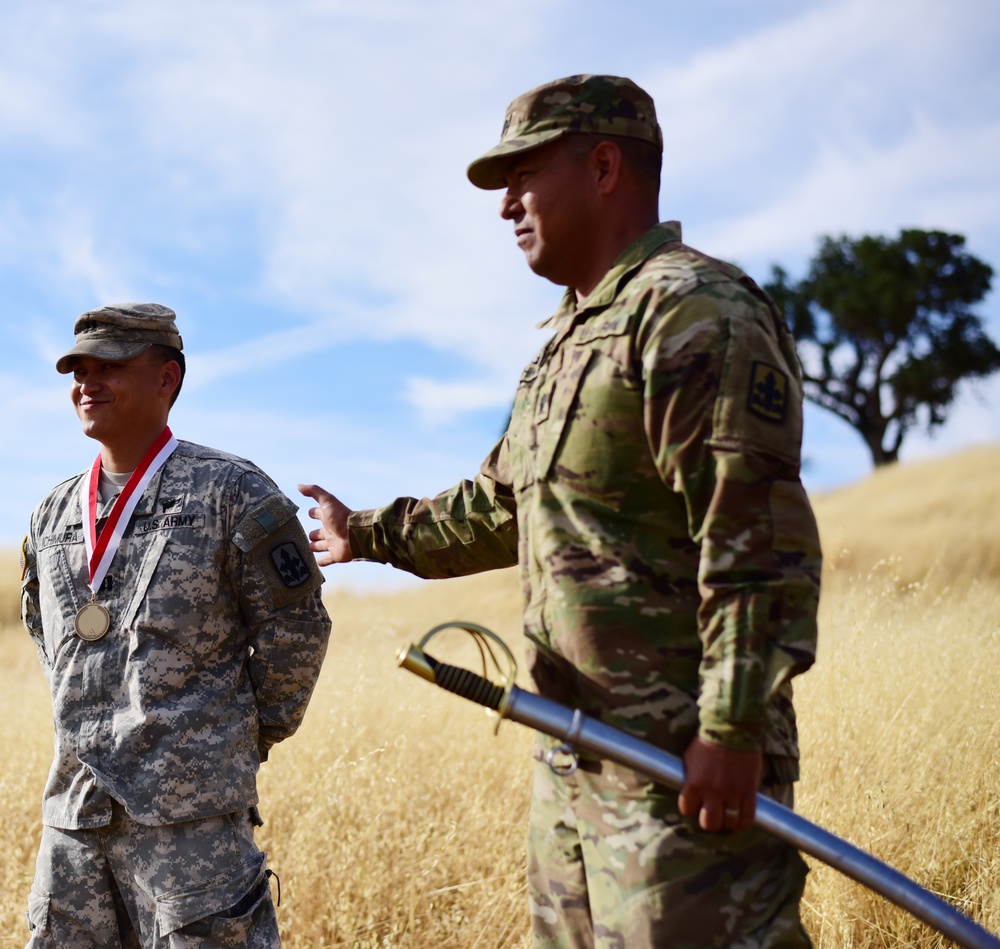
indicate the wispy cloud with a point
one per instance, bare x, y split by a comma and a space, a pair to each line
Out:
440, 402
934, 178
291, 178
838, 118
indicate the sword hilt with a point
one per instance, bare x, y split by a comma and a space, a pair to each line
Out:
454, 679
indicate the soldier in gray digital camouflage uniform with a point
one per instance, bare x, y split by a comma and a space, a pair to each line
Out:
178, 618
648, 487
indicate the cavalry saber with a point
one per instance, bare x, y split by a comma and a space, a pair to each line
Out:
576, 730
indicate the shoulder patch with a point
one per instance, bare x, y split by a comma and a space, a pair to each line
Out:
291, 565
768, 395
276, 547
23, 563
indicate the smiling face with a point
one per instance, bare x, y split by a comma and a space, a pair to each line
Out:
550, 198
124, 405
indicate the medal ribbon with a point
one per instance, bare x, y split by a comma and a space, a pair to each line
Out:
101, 550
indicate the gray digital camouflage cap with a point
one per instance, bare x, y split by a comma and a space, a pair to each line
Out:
606, 105
121, 331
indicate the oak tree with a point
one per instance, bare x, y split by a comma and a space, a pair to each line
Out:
886, 332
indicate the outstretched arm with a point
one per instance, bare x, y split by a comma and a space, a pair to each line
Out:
330, 540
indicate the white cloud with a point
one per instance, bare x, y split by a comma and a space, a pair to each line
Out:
308, 158
834, 69
935, 178
253, 355
81, 260
440, 402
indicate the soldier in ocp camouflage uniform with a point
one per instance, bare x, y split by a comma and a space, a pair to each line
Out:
648, 487
174, 673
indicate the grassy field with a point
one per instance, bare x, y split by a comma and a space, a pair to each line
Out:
396, 818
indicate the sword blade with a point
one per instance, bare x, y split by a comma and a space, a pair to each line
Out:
594, 736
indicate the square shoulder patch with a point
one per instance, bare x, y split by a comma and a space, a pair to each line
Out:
768, 395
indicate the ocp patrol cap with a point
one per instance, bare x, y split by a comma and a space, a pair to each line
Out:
121, 331
605, 105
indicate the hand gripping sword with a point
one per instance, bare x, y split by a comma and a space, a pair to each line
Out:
577, 731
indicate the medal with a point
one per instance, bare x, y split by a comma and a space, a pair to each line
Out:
93, 620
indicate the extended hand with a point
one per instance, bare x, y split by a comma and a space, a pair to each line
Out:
720, 786
329, 541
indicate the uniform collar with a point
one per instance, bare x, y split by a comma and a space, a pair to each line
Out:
146, 504
630, 260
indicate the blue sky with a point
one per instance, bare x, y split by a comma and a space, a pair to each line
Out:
290, 178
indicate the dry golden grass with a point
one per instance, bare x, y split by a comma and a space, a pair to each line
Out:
396, 818
937, 522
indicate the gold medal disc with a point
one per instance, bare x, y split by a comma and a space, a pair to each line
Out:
92, 622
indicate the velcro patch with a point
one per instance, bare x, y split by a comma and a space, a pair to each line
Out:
275, 543
768, 395
290, 564
261, 522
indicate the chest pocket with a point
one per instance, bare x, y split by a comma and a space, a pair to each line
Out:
177, 586
589, 415
521, 434
62, 573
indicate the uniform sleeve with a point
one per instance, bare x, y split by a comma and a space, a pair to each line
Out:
723, 416
468, 529
31, 614
280, 594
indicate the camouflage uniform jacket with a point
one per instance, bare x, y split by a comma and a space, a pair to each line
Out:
217, 635
648, 486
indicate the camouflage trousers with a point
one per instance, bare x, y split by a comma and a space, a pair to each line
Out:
612, 864
197, 884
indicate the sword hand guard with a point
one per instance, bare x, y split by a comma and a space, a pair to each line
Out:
469, 685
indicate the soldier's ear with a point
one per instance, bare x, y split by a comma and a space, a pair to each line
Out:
606, 161
170, 377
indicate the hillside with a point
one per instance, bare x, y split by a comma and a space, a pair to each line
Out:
935, 522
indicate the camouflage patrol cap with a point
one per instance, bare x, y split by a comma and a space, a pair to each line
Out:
606, 105
121, 331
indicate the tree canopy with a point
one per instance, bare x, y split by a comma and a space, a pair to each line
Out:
886, 332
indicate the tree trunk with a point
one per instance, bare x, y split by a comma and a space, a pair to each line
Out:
880, 455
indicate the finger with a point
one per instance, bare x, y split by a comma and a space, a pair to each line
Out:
689, 804
315, 492
710, 817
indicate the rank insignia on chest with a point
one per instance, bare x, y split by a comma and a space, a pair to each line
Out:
768, 395
287, 560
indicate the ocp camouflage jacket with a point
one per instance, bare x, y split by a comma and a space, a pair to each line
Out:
648, 486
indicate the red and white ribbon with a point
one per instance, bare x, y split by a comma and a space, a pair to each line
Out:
101, 550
